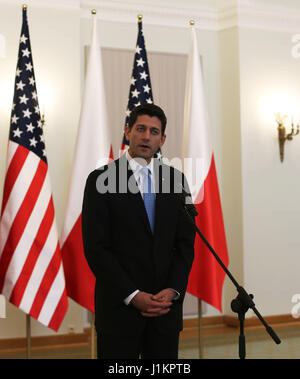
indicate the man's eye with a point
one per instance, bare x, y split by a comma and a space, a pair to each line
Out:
155, 131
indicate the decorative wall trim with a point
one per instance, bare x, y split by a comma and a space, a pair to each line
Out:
215, 325
241, 13
69, 4
236, 13
154, 13
271, 17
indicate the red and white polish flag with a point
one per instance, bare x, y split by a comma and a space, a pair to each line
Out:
93, 149
207, 277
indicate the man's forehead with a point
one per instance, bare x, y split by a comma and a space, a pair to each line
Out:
152, 121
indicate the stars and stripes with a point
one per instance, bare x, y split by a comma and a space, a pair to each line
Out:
140, 91
31, 272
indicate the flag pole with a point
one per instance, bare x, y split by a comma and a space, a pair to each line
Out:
93, 348
200, 334
28, 320
93, 335
28, 336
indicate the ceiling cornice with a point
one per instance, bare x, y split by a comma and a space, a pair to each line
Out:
235, 13
154, 13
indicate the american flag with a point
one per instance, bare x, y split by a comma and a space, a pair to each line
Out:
31, 272
140, 91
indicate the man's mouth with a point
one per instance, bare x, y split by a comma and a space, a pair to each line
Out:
145, 146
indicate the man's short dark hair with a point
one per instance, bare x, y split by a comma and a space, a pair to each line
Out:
150, 110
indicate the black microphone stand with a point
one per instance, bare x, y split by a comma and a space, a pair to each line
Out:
243, 301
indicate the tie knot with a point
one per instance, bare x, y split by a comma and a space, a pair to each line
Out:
145, 171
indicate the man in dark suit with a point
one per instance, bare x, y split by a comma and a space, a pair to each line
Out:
139, 244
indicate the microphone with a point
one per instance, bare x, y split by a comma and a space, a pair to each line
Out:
187, 202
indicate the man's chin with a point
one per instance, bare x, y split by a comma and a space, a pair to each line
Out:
148, 154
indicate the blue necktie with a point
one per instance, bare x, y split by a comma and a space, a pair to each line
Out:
149, 196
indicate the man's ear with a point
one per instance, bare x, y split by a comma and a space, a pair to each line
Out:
162, 141
127, 132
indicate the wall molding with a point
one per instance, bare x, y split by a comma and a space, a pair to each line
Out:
215, 325
66, 4
239, 13
236, 13
273, 18
218, 325
154, 13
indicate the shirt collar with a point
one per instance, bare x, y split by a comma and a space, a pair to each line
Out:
136, 166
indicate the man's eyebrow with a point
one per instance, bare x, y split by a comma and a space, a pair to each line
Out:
152, 127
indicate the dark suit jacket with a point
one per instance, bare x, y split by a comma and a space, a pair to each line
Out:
123, 253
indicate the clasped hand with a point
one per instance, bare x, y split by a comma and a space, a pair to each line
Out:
153, 305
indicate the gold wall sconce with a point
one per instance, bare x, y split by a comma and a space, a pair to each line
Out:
282, 134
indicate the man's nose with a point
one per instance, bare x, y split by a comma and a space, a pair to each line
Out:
146, 134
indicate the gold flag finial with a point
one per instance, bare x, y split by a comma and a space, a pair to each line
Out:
24, 7
140, 17
93, 11
192, 22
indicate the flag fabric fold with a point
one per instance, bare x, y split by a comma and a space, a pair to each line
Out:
140, 91
93, 149
31, 272
207, 277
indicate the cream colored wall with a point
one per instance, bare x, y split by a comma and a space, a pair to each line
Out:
259, 77
270, 83
231, 154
